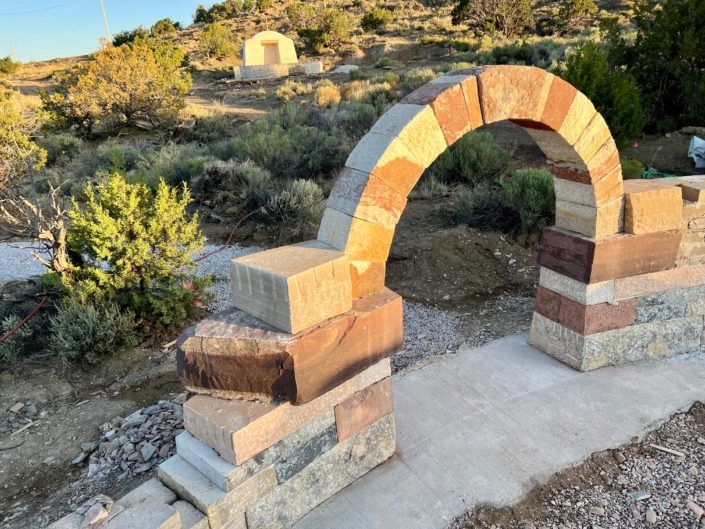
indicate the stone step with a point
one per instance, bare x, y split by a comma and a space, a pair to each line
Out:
191, 518
147, 515
221, 508
152, 490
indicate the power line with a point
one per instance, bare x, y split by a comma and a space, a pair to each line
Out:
40, 10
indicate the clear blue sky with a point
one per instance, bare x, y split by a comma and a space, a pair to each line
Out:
45, 29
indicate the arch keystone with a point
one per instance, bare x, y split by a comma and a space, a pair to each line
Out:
508, 92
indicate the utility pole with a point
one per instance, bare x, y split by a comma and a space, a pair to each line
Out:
14, 51
105, 21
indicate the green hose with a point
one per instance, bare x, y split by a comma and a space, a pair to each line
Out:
648, 175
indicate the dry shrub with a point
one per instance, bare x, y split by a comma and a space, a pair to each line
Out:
327, 96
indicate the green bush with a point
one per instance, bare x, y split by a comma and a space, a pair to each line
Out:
574, 13
481, 207
320, 28
506, 17
376, 19
9, 66
175, 163
631, 169
613, 91
111, 156
431, 187
530, 193
216, 41
474, 158
129, 36
86, 332
12, 349
297, 209
243, 184
164, 27
60, 146
356, 119
137, 244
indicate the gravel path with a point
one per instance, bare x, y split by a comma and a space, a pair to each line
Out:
17, 261
656, 483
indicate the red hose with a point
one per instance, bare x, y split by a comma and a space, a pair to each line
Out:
24, 321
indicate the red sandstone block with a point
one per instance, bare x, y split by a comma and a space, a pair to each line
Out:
511, 92
548, 303
363, 409
449, 107
560, 97
592, 261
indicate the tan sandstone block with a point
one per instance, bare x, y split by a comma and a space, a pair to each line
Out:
555, 147
387, 158
239, 430
605, 160
644, 284
367, 197
513, 92
560, 97
593, 137
650, 207
602, 191
359, 239
577, 119
694, 191
293, 287
448, 103
363, 409
367, 278
597, 222
417, 128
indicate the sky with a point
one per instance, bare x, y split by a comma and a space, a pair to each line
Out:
45, 29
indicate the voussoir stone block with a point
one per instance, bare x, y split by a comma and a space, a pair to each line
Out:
468, 84
293, 287
651, 207
593, 137
608, 188
448, 104
560, 97
234, 355
598, 222
417, 128
595, 260
508, 92
367, 278
387, 158
367, 197
577, 119
240, 430
604, 161
359, 239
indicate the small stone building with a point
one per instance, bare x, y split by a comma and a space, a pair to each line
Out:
271, 55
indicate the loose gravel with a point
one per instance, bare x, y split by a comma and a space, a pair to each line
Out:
656, 483
17, 261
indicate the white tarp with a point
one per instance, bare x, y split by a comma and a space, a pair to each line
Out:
696, 151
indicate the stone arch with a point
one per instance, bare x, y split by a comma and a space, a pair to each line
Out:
370, 194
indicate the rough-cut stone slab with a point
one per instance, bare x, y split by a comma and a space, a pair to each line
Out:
363, 409
147, 515
577, 118
652, 207
641, 285
293, 287
598, 222
286, 457
367, 278
191, 518
387, 158
417, 128
694, 191
239, 430
220, 507
584, 319
70, 521
448, 104
359, 239
605, 190
637, 342
152, 490
507, 92
327, 475
593, 137
367, 197
231, 354
586, 294
593, 261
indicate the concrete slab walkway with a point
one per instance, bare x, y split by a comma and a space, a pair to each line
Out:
488, 424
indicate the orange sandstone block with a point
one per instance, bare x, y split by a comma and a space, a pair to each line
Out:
387, 158
593, 221
359, 239
513, 92
367, 197
602, 191
577, 119
560, 97
652, 206
603, 162
363, 409
367, 278
593, 137
449, 107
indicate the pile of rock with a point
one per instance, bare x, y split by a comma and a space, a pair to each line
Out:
136, 443
19, 416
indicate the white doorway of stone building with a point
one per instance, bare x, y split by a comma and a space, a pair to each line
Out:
271, 53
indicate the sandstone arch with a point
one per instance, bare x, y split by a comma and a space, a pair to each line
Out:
323, 313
